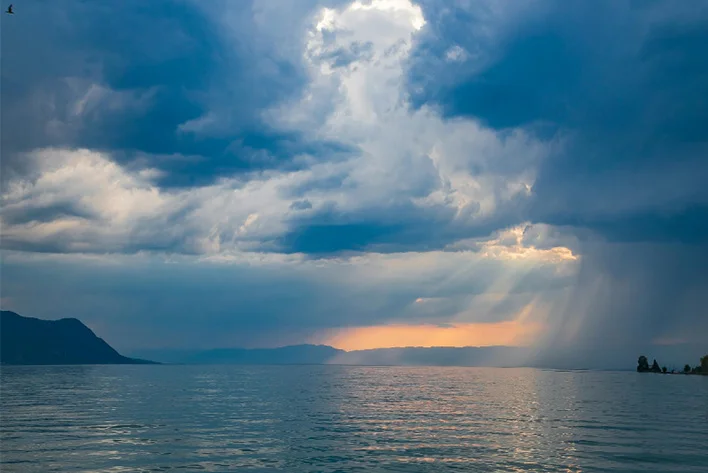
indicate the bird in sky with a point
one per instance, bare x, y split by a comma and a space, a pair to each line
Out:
9, 10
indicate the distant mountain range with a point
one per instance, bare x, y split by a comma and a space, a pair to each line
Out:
491, 356
30, 341
322, 354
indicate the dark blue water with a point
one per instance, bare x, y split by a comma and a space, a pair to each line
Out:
335, 418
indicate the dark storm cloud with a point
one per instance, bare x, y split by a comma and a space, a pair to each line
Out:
146, 78
388, 229
625, 84
46, 213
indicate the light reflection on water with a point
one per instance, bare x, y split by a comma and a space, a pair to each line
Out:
335, 418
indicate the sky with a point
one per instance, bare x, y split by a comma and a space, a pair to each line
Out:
364, 174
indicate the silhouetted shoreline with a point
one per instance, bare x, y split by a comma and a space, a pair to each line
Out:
643, 367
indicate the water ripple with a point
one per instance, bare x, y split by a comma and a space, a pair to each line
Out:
330, 418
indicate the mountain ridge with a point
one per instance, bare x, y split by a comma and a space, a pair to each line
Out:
492, 356
66, 341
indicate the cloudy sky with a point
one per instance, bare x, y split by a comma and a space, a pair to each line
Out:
217, 173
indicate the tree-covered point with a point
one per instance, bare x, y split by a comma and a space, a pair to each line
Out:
642, 364
643, 367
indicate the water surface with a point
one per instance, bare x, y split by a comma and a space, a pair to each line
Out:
337, 418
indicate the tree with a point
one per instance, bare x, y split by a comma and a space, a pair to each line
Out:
687, 369
655, 367
642, 364
663, 369
704, 364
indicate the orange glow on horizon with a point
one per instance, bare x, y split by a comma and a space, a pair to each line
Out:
510, 333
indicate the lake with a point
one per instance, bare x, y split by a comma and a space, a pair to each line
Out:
338, 418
